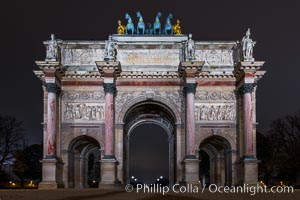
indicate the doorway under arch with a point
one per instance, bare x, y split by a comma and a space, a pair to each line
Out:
149, 131
84, 165
215, 151
149, 153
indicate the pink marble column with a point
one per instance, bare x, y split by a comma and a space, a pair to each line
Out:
246, 91
110, 90
190, 89
52, 90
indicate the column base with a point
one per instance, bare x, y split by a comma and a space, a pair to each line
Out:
249, 170
52, 173
191, 166
44, 185
108, 173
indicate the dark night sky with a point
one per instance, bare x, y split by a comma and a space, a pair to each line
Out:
274, 25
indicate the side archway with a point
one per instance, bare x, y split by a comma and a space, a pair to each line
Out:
84, 166
218, 150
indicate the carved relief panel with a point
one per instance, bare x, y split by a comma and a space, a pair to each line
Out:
83, 106
80, 112
81, 56
215, 112
215, 57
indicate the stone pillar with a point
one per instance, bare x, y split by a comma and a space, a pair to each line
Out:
52, 90
189, 70
110, 91
247, 74
190, 89
52, 166
108, 163
246, 91
109, 70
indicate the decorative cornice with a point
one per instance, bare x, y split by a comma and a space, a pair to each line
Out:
190, 68
39, 74
52, 87
109, 68
110, 88
82, 75
246, 88
149, 75
189, 88
248, 67
209, 75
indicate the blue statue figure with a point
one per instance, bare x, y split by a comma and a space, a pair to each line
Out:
156, 24
168, 25
130, 25
140, 29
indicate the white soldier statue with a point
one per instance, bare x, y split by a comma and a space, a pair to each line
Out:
110, 50
247, 47
190, 49
52, 49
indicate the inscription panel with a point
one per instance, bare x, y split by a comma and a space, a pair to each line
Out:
144, 57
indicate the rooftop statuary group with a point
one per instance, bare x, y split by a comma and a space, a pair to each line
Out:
156, 29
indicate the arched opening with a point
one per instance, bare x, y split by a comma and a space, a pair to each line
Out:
149, 143
149, 153
215, 161
84, 166
204, 167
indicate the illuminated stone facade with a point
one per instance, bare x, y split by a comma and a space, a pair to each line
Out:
92, 102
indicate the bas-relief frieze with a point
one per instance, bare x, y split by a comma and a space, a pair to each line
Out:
83, 96
81, 56
215, 112
214, 95
215, 57
82, 112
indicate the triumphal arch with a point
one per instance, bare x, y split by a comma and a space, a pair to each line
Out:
200, 94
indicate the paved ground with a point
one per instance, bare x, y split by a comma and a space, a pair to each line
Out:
93, 194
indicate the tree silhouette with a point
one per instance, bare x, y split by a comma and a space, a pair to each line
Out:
279, 149
11, 137
27, 163
285, 133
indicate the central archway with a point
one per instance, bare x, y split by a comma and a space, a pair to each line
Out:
149, 153
149, 143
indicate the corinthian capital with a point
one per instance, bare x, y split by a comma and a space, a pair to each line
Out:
189, 88
52, 87
246, 88
110, 88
